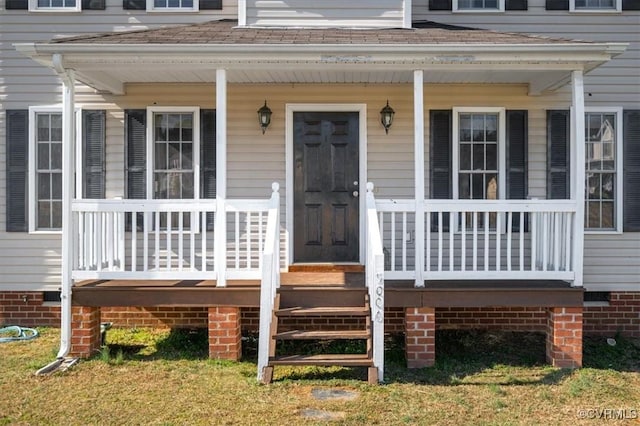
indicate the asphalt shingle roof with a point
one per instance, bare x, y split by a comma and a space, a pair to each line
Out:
223, 32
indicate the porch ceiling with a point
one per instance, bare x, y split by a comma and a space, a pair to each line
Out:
191, 54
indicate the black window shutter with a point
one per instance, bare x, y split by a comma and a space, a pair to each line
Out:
440, 122
516, 5
208, 158
516, 167
558, 160
136, 158
134, 4
210, 4
94, 4
630, 4
557, 5
631, 170
136, 151
17, 4
17, 167
439, 4
93, 153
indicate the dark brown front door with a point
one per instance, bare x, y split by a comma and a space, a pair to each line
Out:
325, 183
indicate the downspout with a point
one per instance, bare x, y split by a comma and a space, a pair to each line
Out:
68, 142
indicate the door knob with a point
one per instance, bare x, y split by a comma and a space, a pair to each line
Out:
355, 183
356, 193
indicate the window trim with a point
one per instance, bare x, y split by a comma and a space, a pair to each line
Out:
152, 8
619, 150
500, 9
573, 9
32, 164
33, 7
502, 148
195, 110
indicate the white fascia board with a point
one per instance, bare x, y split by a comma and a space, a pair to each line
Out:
424, 50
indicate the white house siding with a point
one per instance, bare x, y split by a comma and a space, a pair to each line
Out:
328, 13
612, 261
32, 262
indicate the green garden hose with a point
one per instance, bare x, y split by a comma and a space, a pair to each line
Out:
14, 333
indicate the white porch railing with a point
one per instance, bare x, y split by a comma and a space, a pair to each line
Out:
167, 239
481, 239
374, 279
270, 279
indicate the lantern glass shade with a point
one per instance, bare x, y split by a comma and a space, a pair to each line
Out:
264, 117
386, 117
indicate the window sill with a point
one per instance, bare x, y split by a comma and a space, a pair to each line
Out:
595, 304
490, 11
176, 10
602, 232
43, 232
70, 10
596, 11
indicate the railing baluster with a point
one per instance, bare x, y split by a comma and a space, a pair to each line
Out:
534, 240
509, 226
428, 248
203, 240
145, 240
237, 231
463, 241
475, 241
100, 237
521, 247
545, 241
180, 241
259, 239
248, 240
486, 240
82, 240
157, 247
498, 241
169, 241
393, 241
404, 241
567, 235
193, 224
556, 242
440, 226
452, 243
134, 242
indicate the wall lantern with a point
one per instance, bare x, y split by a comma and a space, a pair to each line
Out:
264, 117
386, 117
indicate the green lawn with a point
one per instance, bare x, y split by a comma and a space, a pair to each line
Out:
158, 377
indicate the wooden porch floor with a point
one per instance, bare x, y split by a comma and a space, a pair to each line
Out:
329, 285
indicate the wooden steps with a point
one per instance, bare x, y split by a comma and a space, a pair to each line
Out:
306, 303
325, 360
322, 335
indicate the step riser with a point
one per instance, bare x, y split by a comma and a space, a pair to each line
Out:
313, 298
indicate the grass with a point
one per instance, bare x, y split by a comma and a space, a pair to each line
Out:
160, 377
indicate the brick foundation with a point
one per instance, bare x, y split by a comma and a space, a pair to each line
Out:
224, 333
420, 337
507, 319
564, 337
85, 331
621, 316
26, 309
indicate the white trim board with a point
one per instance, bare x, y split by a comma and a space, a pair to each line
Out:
361, 109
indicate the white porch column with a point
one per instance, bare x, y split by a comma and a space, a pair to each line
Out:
221, 178
578, 171
68, 186
418, 131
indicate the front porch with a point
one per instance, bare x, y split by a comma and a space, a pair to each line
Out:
429, 240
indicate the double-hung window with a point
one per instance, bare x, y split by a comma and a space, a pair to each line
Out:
595, 5
45, 169
603, 161
479, 154
54, 5
174, 153
172, 5
478, 5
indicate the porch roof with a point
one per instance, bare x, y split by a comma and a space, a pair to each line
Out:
192, 53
